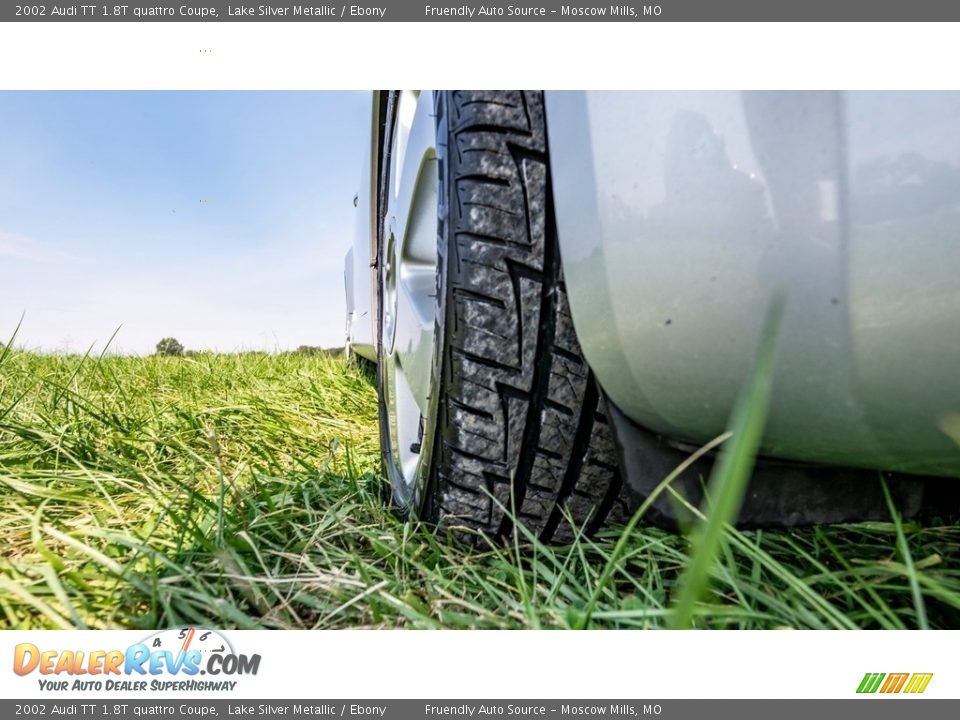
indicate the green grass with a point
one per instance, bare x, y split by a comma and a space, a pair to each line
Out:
243, 491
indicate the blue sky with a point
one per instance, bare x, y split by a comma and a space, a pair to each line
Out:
220, 218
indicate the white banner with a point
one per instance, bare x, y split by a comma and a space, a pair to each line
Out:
469, 664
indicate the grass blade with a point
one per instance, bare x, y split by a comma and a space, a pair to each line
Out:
730, 475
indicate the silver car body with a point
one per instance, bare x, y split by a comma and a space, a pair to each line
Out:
680, 215
359, 273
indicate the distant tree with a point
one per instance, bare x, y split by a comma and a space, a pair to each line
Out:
170, 347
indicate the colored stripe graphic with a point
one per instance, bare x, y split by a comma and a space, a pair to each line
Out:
870, 682
918, 682
894, 683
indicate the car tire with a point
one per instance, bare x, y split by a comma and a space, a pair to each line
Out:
517, 424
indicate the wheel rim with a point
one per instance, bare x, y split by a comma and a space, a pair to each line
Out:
408, 279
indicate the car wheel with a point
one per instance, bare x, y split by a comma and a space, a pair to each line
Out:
488, 410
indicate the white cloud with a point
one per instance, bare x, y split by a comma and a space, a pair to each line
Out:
22, 247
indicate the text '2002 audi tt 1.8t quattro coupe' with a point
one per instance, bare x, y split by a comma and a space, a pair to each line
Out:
564, 293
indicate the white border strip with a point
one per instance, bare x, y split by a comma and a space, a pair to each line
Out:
547, 665
595, 56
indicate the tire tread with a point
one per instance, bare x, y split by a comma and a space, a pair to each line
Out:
521, 419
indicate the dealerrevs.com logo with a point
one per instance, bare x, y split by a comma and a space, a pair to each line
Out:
170, 660
888, 683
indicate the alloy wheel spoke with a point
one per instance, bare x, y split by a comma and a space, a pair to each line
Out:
409, 280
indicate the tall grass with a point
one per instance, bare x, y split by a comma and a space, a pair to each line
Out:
243, 491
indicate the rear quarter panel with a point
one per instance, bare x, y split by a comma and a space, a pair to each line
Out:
680, 214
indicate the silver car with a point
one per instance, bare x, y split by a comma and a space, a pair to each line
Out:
564, 292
